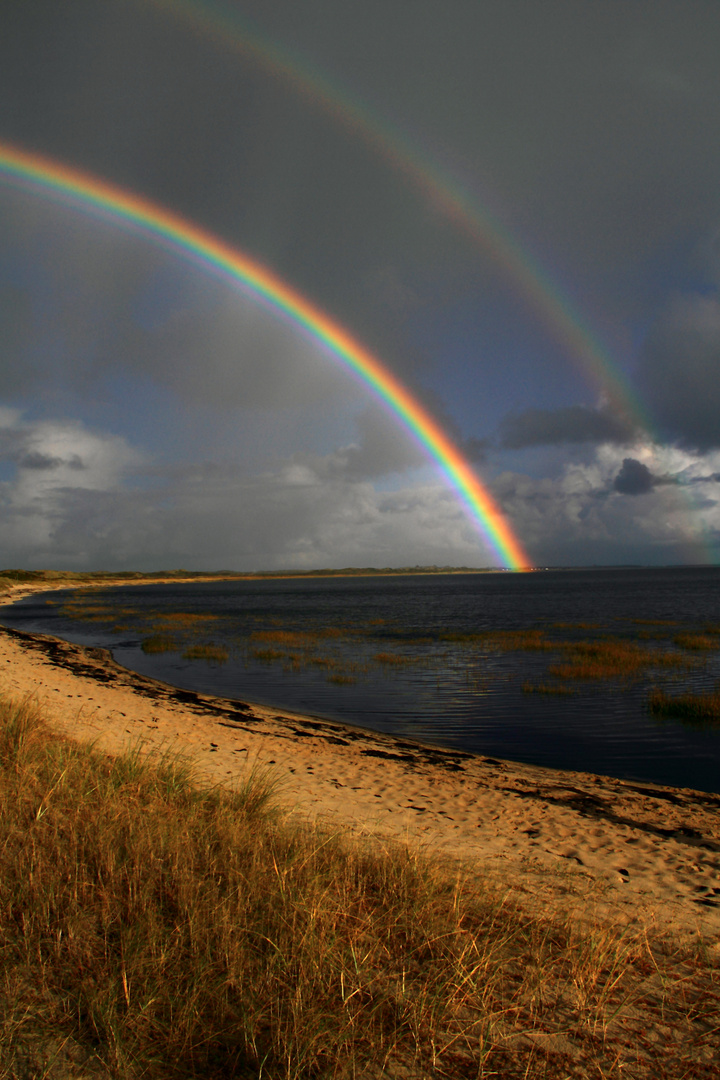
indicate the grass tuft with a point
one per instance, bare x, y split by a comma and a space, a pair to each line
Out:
213, 654
159, 643
386, 659
703, 708
612, 658
696, 642
548, 688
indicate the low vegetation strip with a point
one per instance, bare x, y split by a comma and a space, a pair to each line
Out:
152, 927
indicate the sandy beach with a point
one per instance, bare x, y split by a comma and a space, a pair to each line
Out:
555, 841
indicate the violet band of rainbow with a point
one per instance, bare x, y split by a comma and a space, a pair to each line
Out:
90, 193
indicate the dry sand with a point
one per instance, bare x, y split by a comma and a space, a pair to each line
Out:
556, 841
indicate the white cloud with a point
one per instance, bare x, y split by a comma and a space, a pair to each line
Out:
53, 462
579, 517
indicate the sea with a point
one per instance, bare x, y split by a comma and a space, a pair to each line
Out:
477, 662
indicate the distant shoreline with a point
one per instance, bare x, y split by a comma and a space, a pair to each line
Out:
18, 584
22, 583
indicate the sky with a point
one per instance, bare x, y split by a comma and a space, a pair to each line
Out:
515, 207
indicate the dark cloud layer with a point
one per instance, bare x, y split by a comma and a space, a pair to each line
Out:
588, 122
680, 372
570, 424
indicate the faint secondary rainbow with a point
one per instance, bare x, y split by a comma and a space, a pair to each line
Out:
472, 217
92, 194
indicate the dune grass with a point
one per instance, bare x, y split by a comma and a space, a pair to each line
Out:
151, 927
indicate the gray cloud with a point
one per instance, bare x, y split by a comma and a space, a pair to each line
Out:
217, 518
381, 448
579, 517
634, 478
570, 424
475, 449
35, 460
713, 478
679, 372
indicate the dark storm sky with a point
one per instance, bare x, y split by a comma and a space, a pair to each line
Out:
152, 416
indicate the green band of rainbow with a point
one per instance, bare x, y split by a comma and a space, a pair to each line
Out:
92, 194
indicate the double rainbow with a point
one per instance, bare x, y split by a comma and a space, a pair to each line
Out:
94, 195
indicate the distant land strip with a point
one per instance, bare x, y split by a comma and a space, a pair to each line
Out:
8, 578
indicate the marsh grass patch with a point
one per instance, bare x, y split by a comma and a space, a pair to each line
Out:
612, 658
395, 660
699, 708
159, 643
557, 689
267, 656
696, 642
210, 652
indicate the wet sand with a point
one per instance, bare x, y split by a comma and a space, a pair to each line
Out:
554, 841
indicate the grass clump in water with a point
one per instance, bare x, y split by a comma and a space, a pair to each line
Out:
654, 622
153, 928
548, 688
696, 642
702, 708
159, 643
292, 639
386, 659
612, 658
213, 654
267, 656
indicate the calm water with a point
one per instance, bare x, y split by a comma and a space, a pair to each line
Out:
285, 639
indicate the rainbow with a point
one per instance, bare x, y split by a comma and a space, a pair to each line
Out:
475, 220
93, 195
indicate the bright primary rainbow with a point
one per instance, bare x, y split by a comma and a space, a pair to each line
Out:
92, 194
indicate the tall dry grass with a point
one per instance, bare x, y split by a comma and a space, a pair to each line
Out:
150, 927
